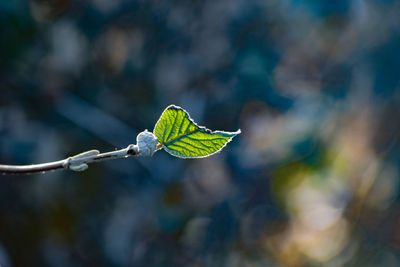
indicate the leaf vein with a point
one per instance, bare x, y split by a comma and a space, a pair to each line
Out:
177, 145
173, 125
189, 144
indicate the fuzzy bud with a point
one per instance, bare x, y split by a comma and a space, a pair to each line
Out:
147, 143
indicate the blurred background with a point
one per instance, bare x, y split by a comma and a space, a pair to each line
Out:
313, 179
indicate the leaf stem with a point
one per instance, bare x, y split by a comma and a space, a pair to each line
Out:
76, 163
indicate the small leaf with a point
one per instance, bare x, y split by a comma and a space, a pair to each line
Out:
180, 136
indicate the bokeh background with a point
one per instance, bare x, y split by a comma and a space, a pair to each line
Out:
313, 180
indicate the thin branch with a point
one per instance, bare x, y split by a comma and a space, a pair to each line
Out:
76, 163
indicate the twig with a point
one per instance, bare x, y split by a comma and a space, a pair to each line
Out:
76, 163
147, 144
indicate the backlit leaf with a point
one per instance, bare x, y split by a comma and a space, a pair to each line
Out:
180, 136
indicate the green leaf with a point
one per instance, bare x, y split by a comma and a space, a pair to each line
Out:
180, 136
